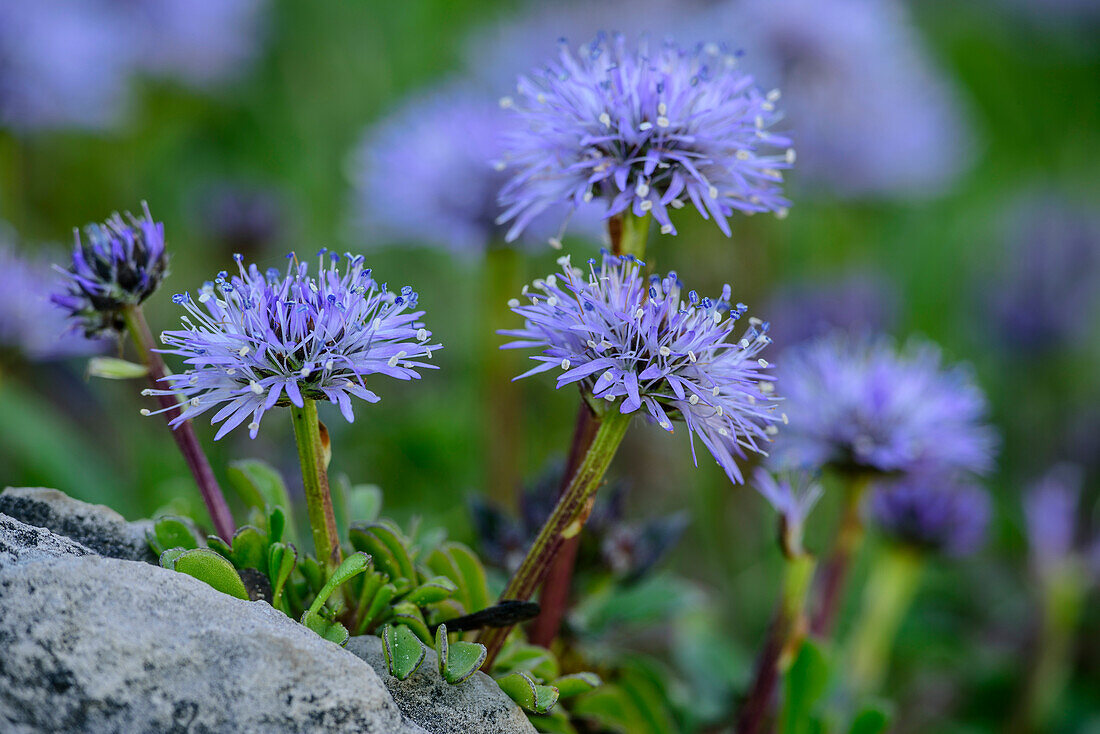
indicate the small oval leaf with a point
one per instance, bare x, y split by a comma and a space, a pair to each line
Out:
206, 565
403, 650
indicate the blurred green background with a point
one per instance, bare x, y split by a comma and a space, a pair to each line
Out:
285, 127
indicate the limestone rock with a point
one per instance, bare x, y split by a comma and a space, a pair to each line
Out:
476, 705
96, 526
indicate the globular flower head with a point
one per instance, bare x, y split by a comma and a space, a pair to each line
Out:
116, 265
792, 496
258, 340
862, 404
644, 129
935, 514
638, 343
858, 302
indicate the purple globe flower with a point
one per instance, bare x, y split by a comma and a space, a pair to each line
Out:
118, 264
432, 172
636, 343
256, 340
934, 514
63, 63
29, 323
860, 403
643, 129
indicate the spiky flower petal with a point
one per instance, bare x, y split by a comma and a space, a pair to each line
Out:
645, 130
256, 340
118, 264
637, 344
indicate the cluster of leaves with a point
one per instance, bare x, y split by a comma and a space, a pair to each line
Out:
808, 706
405, 588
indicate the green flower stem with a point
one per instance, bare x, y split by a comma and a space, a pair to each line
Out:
1063, 587
835, 573
785, 635
184, 434
311, 455
565, 521
895, 577
629, 234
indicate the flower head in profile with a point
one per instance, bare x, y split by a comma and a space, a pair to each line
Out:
1050, 510
792, 496
645, 129
863, 404
258, 340
942, 515
637, 343
116, 265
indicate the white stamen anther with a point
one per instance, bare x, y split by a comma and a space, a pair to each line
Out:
743, 155
254, 426
762, 362
693, 399
642, 189
605, 119
719, 410
665, 425
790, 155
392, 362
663, 121
773, 95
146, 411
666, 229
646, 205
692, 357
565, 364
645, 126
713, 192
664, 351
716, 391
786, 421
513, 303
639, 314
555, 242
771, 430
662, 108
256, 388
304, 372
421, 335
506, 102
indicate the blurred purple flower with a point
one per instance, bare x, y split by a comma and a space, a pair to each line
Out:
871, 112
861, 403
625, 340
63, 63
432, 172
29, 323
792, 496
1048, 297
935, 514
858, 303
1050, 510
643, 127
117, 264
267, 340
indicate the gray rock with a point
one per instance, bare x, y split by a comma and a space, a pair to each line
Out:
22, 543
96, 526
93, 644
476, 705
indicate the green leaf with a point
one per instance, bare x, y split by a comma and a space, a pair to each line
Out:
873, 718
575, 684
261, 486
276, 524
314, 574
171, 532
803, 686
214, 543
611, 708
523, 689
555, 722
330, 630
379, 609
473, 582
281, 560
389, 548
523, 656
434, 590
352, 566
403, 650
250, 548
168, 558
206, 565
409, 614
459, 660
113, 368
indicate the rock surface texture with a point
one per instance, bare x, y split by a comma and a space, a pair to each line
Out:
478, 704
96, 526
96, 644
